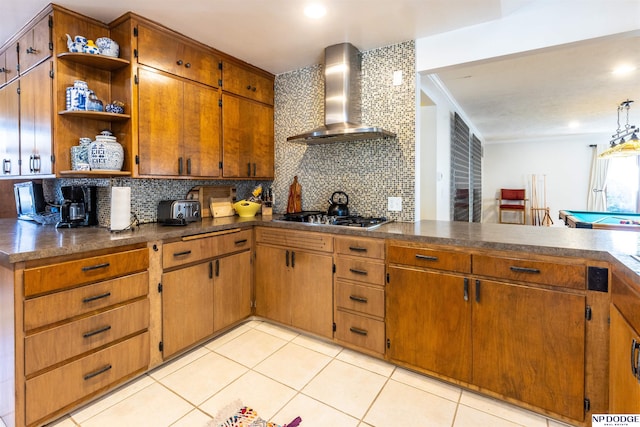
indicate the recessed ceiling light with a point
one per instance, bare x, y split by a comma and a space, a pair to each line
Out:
624, 69
315, 11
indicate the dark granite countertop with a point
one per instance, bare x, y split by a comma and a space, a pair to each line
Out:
24, 240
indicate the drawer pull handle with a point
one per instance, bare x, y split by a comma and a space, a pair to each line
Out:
177, 254
358, 299
358, 331
635, 371
357, 249
96, 297
426, 257
96, 373
356, 271
96, 332
466, 289
524, 270
96, 267
240, 242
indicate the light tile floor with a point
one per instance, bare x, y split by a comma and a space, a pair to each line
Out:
282, 374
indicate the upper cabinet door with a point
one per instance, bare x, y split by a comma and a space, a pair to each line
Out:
35, 45
247, 83
8, 64
164, 50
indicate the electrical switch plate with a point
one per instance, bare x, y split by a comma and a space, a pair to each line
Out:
397, 78
394, 204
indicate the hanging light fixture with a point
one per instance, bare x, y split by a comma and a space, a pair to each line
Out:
618, 146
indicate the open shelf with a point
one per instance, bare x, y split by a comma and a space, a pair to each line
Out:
95, 115
98, 61
94, 173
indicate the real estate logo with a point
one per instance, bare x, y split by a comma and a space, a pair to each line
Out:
615, 420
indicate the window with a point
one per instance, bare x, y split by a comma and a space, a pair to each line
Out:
622, 184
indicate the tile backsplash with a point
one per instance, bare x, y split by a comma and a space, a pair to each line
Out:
368, 171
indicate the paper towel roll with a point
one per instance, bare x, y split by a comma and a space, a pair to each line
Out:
120, 208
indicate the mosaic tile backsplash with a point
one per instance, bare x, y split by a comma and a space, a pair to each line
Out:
368, 171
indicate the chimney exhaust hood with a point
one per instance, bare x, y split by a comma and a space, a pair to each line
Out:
342, 103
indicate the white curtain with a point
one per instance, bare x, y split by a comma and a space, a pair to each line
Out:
596, 199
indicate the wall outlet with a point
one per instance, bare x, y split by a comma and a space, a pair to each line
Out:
394, 204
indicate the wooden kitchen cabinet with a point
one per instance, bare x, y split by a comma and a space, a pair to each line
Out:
206, 287
36, 44
492, 322
359, 293
91, 313
247, 138
36, 111
294, 279
247, 83
10, 129
8, 64
187, 145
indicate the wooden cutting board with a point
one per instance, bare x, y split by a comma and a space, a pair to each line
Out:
222, 196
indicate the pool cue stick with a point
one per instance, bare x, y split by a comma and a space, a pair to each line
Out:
547, 218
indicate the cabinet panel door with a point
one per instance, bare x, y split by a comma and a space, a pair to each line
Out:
247, 138
158, 49
312, 292
36, 99
34, 45
232, 290
10, 129
201, 131
273, 288
246, 83
160, 126
429, 321
529, 344
624, 388
8, 64
187, 307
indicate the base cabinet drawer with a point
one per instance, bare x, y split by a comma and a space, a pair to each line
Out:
75, 338
361, 331
68, 384
360, 270
363, 299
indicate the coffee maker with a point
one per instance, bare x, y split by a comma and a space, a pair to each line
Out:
78, 207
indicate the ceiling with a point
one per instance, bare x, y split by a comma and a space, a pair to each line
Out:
527, 96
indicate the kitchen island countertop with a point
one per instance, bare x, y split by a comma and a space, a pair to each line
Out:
24, 240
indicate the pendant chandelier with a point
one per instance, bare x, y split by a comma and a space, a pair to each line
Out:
619, 147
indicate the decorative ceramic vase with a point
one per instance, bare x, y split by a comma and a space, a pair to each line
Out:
108, 47
91, 48
76, 44
116, 107
106, 153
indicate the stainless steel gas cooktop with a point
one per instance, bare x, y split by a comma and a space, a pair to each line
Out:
321, 218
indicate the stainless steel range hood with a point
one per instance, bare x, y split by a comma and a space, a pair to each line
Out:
342, 103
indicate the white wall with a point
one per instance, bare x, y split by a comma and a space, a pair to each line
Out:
566, 162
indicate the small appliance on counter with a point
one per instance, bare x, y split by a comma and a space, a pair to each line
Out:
178, 212
78, 207
29, 199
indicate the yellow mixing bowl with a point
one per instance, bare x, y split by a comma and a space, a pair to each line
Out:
246, 208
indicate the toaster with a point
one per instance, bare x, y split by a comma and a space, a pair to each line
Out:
178, 212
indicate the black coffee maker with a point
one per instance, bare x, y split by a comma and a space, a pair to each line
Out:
79, 207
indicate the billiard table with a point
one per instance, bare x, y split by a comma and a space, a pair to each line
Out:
601, 220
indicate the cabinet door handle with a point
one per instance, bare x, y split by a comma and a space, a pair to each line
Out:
358, 299
253, 89
248, 87
187, 65
635, 345
524, 270
360, 272
287, 256
477, 290
31, 49
210, 270
466, 289
3, 70
179, 62
96, 267
293, 259
189, 166
217, 268
177, 254
96, 297
96, 373
96, 332
358, 331
254, 169
357, 249
180, 166
426, 257
6, 166
240, 242
248, 169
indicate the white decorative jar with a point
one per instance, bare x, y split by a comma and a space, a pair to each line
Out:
105, 153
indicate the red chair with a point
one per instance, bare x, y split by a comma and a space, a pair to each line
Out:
513, 200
